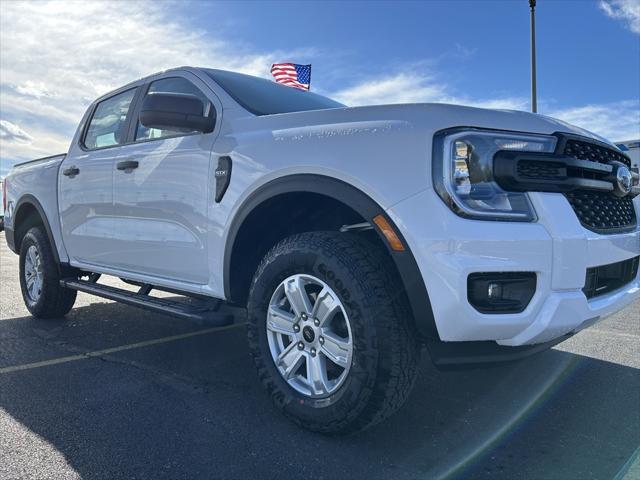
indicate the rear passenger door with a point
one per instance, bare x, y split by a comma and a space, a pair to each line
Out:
85, 180
162, 204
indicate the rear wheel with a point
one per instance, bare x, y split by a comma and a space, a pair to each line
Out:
330, 332
40, 278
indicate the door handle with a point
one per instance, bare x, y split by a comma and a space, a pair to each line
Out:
127, 165
71, 171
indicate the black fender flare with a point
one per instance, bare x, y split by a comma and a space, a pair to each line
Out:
364, 206
28, 199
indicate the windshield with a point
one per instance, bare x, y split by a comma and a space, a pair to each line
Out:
264, 97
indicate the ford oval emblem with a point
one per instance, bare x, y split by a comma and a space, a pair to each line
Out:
623, 181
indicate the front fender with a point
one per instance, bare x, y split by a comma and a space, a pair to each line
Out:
365, 207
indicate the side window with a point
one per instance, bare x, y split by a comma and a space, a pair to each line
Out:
171, 85
107, 125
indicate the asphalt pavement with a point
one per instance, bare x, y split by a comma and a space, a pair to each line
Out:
115, 392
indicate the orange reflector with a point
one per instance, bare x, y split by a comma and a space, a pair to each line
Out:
389, 233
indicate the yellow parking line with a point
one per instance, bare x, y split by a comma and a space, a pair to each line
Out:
631, 468
121, 348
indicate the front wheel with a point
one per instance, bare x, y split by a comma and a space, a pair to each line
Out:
330, 332
40, 278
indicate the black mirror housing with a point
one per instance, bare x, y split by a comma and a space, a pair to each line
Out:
175, 111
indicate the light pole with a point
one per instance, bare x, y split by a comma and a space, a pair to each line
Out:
534, 99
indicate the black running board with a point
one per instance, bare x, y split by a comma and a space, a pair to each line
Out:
198, 311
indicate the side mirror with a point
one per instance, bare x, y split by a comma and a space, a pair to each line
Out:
175, 111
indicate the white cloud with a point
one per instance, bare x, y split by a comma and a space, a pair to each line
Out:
462, 51
400, 88
33, 89
614, 121
618, 120
10, 132
56, 57
415, 87
627, 11
17, 144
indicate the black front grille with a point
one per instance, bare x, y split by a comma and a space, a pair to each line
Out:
584, 150
583, 170
600, 212
607, 278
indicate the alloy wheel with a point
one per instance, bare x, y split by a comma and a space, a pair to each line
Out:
309, 336
33, 275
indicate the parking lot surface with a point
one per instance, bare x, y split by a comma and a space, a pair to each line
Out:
115, 392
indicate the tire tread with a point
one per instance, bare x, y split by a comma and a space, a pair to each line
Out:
395, 338
55, 300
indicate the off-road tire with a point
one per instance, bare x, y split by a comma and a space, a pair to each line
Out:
386, 348
54, 301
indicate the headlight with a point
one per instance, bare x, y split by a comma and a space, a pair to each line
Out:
463, 172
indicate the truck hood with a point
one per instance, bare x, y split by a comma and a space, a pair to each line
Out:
424, 116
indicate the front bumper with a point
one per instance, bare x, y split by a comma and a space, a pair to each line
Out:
448, 248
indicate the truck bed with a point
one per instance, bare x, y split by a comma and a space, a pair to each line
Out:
37, 180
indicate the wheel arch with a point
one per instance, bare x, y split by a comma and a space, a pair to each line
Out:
29, 213
336, 193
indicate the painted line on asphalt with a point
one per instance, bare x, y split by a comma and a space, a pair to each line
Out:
631, 468
121, 348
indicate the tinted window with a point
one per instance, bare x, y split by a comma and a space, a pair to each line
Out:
107, 126
172, 85
264, 97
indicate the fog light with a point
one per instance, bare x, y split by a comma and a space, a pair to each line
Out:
500, 292
494, 291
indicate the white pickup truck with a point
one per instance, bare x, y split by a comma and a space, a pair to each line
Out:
354, 236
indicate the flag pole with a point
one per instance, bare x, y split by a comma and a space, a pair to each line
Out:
534, 99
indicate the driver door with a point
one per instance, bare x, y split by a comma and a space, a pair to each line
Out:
162, 203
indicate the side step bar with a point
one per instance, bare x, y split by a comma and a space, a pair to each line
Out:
199, 311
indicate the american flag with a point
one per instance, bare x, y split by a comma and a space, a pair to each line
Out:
292, 75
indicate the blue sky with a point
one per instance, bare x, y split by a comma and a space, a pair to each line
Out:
479, 48
55, 57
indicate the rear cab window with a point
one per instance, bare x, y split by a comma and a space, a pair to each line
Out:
107, 126
264, 97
